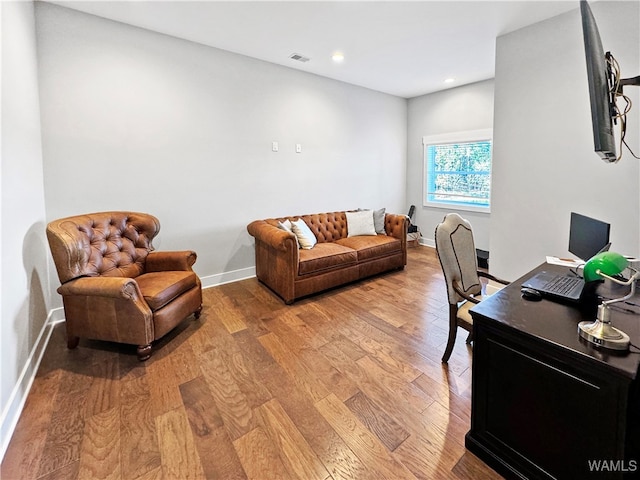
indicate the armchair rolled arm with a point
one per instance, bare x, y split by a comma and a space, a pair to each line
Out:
274, 237
174, 260
110, 287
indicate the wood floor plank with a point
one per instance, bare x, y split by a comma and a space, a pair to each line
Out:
100, 450
428, 455
217, 454
225, 309
65, 431
458, 404
349, 348
301, 374
364, 443
242, 373
390, 432
166, 393
180, 458
405, 392
298, 333
470, 466
260, 457
155, 474
22, 458
387, 357
140, 453
295, 452
68, 472
338, 458
234, 408
384, 397
292, 330
104, 392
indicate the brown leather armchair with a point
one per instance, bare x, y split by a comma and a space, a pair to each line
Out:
114, 286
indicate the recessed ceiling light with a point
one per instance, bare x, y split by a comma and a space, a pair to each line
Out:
449, 80
337, 57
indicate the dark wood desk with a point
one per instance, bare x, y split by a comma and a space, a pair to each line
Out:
545, 403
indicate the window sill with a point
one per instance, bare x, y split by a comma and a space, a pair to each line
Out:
457, 206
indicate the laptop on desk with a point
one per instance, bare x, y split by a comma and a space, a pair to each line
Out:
556, 286
567, 287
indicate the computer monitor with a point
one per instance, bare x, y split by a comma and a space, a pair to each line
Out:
587, 236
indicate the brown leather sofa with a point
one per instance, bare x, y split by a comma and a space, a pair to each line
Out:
114, 286
336, 259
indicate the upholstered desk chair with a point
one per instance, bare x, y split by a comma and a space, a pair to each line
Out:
457, 254
114, 286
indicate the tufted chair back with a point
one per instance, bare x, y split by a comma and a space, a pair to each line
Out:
114, 286
109, 244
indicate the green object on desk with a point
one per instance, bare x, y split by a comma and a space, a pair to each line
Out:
609, 263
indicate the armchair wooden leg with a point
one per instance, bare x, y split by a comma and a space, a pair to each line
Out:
198, 312
72, 342
144, 352
453, 329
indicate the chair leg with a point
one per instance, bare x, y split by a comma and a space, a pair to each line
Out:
470, 338
72, 341
198, 312
453, 328
144, 352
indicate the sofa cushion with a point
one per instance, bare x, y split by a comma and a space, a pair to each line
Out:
159, 288
325, 256
369, 247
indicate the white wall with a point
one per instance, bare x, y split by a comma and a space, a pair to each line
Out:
469, 107
138, 120
24, 292
544, 166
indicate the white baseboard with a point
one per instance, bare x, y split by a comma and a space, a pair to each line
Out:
428, 242
228, 277
18, 397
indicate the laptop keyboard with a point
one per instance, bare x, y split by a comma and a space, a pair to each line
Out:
562, 284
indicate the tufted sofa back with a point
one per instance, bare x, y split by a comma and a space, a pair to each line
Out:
112, 244
327, 227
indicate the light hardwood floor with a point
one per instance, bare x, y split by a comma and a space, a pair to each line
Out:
347, 384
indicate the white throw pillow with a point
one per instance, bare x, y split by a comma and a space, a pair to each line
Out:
286, 226
306, 238
378, 219
360, 223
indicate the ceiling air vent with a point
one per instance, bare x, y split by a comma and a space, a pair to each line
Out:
299, 58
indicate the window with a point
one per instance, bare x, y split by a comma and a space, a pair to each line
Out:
458, 170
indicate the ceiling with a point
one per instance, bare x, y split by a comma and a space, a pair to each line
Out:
397, 47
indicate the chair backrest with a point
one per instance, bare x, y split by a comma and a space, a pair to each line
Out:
457, 254
113, 244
